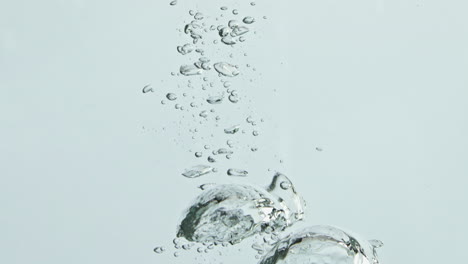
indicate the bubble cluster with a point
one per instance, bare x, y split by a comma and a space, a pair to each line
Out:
209, 95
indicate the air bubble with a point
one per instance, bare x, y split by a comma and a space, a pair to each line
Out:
232, 130
197, 171
322, 244
185, 49
147, 89
159, 250
215, 99
237, 173
285, 185
248, 20
226, 69
189, 70
219, 214
171, 96
233, 98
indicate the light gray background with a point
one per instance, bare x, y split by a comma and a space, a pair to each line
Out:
381, 86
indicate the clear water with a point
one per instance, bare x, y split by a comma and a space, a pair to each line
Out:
227, 214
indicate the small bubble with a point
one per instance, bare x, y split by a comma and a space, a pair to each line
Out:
185, 49
233, 98
215, 99
197, 171
203, 114
191, 12
176, 254
186, 247
206, 186
255, 133
207, 147
285, 185
198, 16
233, 23
159, 250
163, 102
189, 70
226, 69
224, 8
200, 250
147, 89
237, 173
232, 130
211, 159
173, 3
248, 20
254, 149
252, 4
235, 12
198, 154
227, 84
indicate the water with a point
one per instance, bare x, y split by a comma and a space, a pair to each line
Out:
227, 214
233, 212
323, 245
